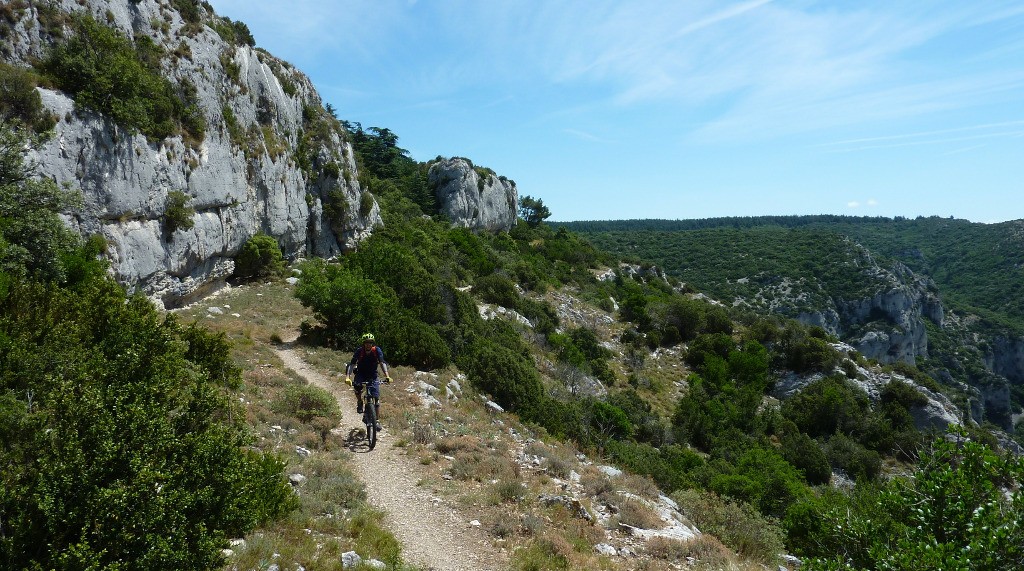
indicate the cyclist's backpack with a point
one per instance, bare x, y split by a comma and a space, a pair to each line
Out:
376, 351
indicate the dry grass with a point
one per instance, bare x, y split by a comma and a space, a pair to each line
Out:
597, 484
636, 513
455, 444
333, 516
642, 486
485, 480
558, 460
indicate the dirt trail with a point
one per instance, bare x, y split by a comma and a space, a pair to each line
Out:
433, 535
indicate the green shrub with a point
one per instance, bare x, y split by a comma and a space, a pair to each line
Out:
669, 466
719, 344
366, 203
124, 446
541, 555
259, 257
761, 477
372, 540
801, 451
953, 513
811, 354
20, 101
178, 216
510, 491
235, 33
306, 402
497, 289
332, 488
105, 72
498, 370
829, 405
852, 457
738, 525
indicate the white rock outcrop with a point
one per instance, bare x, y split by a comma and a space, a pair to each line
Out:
473, 197
244, 177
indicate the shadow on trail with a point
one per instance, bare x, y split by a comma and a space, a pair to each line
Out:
356, 441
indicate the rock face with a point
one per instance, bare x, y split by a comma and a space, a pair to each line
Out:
474, 197
244, 177
888, 325
1006, 358
937, 412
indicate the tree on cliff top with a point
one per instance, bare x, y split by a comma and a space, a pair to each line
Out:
533, 211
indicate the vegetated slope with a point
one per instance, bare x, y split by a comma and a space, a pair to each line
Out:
419, 282
977, 267
804, 268
792, 265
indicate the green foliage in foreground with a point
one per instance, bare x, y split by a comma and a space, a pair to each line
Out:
122, 446
104, 71
962, 509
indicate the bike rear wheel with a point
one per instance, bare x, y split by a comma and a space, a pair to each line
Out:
370, 420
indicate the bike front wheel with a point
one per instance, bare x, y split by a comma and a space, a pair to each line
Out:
370, 420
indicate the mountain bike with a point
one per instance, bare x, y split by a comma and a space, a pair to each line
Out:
370, 405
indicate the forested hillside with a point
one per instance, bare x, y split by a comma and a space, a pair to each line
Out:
978, 267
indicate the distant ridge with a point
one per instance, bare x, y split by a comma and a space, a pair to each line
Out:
789, 221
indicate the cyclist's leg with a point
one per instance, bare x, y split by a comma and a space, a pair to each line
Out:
357, 386
375, 398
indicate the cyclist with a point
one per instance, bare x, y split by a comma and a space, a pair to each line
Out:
365, 361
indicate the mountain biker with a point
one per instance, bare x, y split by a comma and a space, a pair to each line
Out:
365, 361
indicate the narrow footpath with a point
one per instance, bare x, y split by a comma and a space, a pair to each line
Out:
433, 535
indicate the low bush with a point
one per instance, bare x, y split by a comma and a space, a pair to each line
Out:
738, 525
260, 257
636, 513
850, 456
371, 539
801, 451
20, 101
178, 215
331, 487
541, 555
510, 491
497, 289
307, 402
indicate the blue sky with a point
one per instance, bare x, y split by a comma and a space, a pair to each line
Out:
673, 109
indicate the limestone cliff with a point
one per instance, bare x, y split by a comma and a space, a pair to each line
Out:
474, 197
272, 159
888, 323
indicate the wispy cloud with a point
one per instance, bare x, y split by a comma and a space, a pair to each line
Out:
585, 136
900, 141
750, 70
870, 203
